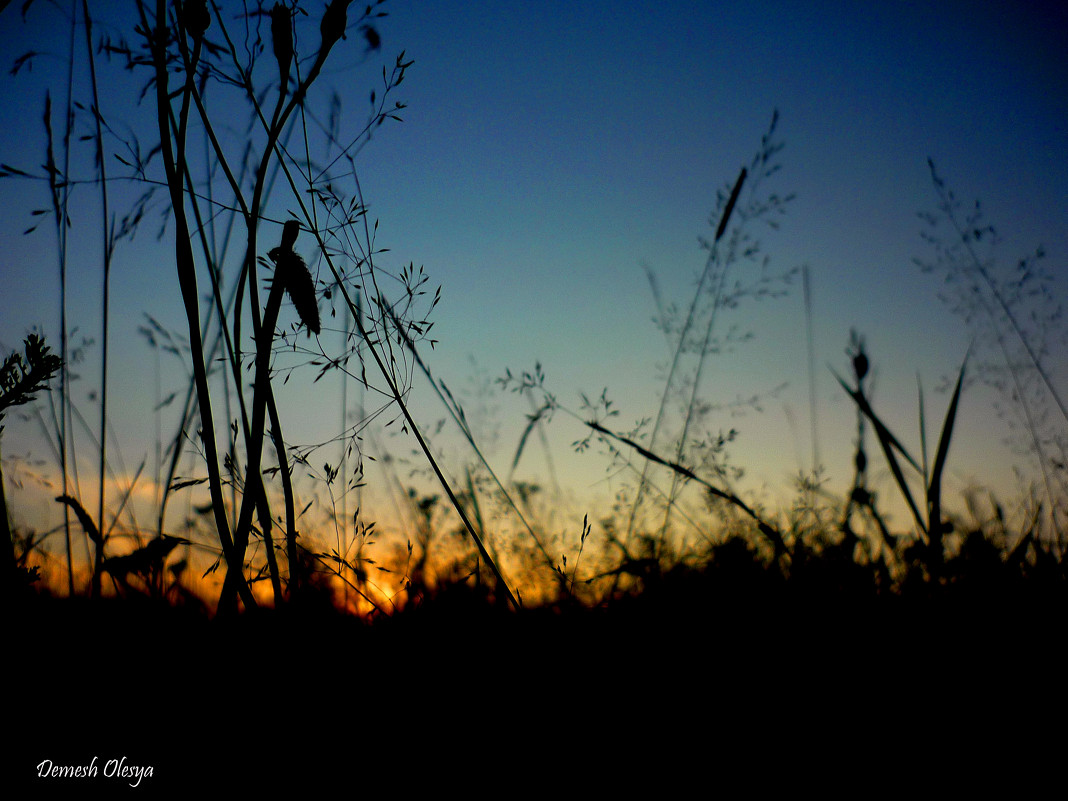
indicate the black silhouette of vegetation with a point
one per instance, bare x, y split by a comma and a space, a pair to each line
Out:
20, 379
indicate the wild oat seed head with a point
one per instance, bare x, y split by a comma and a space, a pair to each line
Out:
297, 281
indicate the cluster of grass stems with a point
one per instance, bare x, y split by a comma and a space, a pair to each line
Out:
215, 200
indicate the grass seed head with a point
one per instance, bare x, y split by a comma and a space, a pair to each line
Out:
282, 38
197, 18
290, 269
301, 289
335, 19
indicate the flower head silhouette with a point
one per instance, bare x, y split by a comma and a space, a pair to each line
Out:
290, 269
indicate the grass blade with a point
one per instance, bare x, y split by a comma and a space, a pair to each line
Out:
923, 433
934, 491
888, 442
730, 204
765, 528
532, 421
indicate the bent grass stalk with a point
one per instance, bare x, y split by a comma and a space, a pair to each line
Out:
768, 530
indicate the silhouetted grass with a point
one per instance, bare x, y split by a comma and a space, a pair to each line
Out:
767, 615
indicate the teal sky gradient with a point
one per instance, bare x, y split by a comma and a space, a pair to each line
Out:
550, 149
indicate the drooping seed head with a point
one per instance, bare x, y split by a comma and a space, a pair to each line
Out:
295, 278
301, 289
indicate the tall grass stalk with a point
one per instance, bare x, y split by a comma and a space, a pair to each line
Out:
60, 196
108, 232
173, 154
705, 347
189, 41
691, 318
810, 346
20, 379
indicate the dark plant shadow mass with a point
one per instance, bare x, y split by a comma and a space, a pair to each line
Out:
286, 698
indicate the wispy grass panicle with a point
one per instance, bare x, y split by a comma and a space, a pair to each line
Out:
721, 287
1016, 316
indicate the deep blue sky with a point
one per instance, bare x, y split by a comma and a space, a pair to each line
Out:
549, 149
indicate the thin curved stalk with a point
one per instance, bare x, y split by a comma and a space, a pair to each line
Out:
108, 229
174, 166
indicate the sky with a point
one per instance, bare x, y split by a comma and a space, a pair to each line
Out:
552, 153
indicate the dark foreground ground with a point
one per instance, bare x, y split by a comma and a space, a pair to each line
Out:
659, 690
